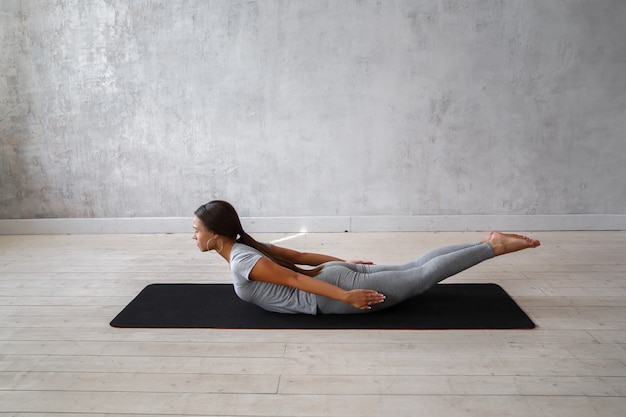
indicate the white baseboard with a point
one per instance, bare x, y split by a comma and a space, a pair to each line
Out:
568, 222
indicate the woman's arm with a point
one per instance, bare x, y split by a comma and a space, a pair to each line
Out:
267, 271
305, 258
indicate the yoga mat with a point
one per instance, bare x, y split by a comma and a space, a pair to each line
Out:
445, 306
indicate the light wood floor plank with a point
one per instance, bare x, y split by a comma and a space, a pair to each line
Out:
122, 348
452, 385
139, 382
309, 405
310, 366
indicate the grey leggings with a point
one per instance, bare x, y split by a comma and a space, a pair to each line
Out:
399, 282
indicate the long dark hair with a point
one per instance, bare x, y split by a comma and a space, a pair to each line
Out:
221, 217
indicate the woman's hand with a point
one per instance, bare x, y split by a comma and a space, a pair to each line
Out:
360, 262
364, 299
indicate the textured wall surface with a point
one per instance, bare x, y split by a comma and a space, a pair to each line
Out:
286, 108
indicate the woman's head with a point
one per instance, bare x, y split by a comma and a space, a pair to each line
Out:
220, 217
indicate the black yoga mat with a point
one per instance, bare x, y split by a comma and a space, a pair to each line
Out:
445, 306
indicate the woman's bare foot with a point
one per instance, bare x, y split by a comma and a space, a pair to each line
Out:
508, 242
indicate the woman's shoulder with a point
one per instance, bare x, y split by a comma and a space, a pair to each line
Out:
243, 253
243, 258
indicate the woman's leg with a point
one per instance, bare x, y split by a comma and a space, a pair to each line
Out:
409, 265
427, 257
399, 284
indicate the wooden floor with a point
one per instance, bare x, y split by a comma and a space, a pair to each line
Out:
58, 355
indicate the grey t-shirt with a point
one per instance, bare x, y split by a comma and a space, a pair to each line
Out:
271, 297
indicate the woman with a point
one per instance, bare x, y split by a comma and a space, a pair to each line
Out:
268, 275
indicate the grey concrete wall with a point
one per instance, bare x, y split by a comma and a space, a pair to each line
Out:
303, 107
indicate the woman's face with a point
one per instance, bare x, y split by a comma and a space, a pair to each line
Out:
201, 235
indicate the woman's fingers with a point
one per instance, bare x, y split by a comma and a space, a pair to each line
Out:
371, 298
359, 261
364, 299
